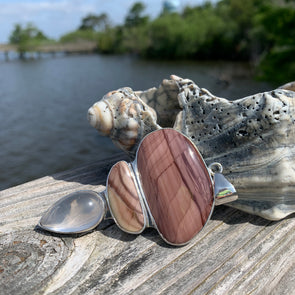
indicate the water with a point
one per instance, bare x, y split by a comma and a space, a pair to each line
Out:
44, 102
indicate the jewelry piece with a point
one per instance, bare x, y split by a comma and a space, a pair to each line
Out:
168, 187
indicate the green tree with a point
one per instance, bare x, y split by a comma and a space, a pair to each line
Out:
95, 22
30, 32
168, 35
93, 28
134, 34
79, 36
240, 17
206, 32
26, 38
276, 27
135, 15
193, 34
110, 41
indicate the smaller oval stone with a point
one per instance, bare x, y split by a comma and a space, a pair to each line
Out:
176, 184
78, 212
123, 199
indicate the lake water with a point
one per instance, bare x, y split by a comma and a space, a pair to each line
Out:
44, 103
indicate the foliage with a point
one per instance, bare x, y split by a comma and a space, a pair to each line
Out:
111, 41
277, 63
259, 31
79, 36
168, 38
93, 22
135, 15
27, 38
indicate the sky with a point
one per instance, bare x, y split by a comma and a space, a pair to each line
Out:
58, 17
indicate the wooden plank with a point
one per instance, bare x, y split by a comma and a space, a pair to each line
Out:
86, 46
236, 253
7, 47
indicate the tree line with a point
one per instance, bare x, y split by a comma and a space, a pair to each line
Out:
258, 31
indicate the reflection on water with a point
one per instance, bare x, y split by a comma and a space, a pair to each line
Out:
44, 102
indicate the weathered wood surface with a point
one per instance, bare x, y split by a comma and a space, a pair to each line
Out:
236, 253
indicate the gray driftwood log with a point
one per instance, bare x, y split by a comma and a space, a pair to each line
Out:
236, 253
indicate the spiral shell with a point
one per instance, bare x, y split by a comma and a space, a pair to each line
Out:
124, 117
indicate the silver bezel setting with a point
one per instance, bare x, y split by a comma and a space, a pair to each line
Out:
150, 217
139, 195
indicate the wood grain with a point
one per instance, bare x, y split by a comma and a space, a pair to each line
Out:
236, 253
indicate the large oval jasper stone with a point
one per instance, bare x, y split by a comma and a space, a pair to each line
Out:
123, 199
176, 184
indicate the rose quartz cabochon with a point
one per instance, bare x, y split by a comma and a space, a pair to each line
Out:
123, 198
176, 184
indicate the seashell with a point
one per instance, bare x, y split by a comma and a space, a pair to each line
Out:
164, 101
252, 137
124, 117
288, 86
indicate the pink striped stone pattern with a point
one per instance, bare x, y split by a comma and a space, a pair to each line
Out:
123, 199
176, 184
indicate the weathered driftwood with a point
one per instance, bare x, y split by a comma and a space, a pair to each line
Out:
236, 253
252, 137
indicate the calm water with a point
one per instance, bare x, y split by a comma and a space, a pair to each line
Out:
44, 102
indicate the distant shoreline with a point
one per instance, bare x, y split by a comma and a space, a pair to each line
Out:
75, 47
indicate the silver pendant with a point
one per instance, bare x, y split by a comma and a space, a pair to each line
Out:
168, 187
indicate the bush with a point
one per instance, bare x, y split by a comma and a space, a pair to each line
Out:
79, 36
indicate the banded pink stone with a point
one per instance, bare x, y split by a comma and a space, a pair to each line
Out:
176, 184
123, 199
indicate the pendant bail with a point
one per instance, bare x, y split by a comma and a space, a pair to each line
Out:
224, 191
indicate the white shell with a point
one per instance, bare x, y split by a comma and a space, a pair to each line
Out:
252, 137
99, 110
124, 117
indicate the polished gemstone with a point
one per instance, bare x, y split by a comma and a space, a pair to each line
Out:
176, 184
124, 202
75, 213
